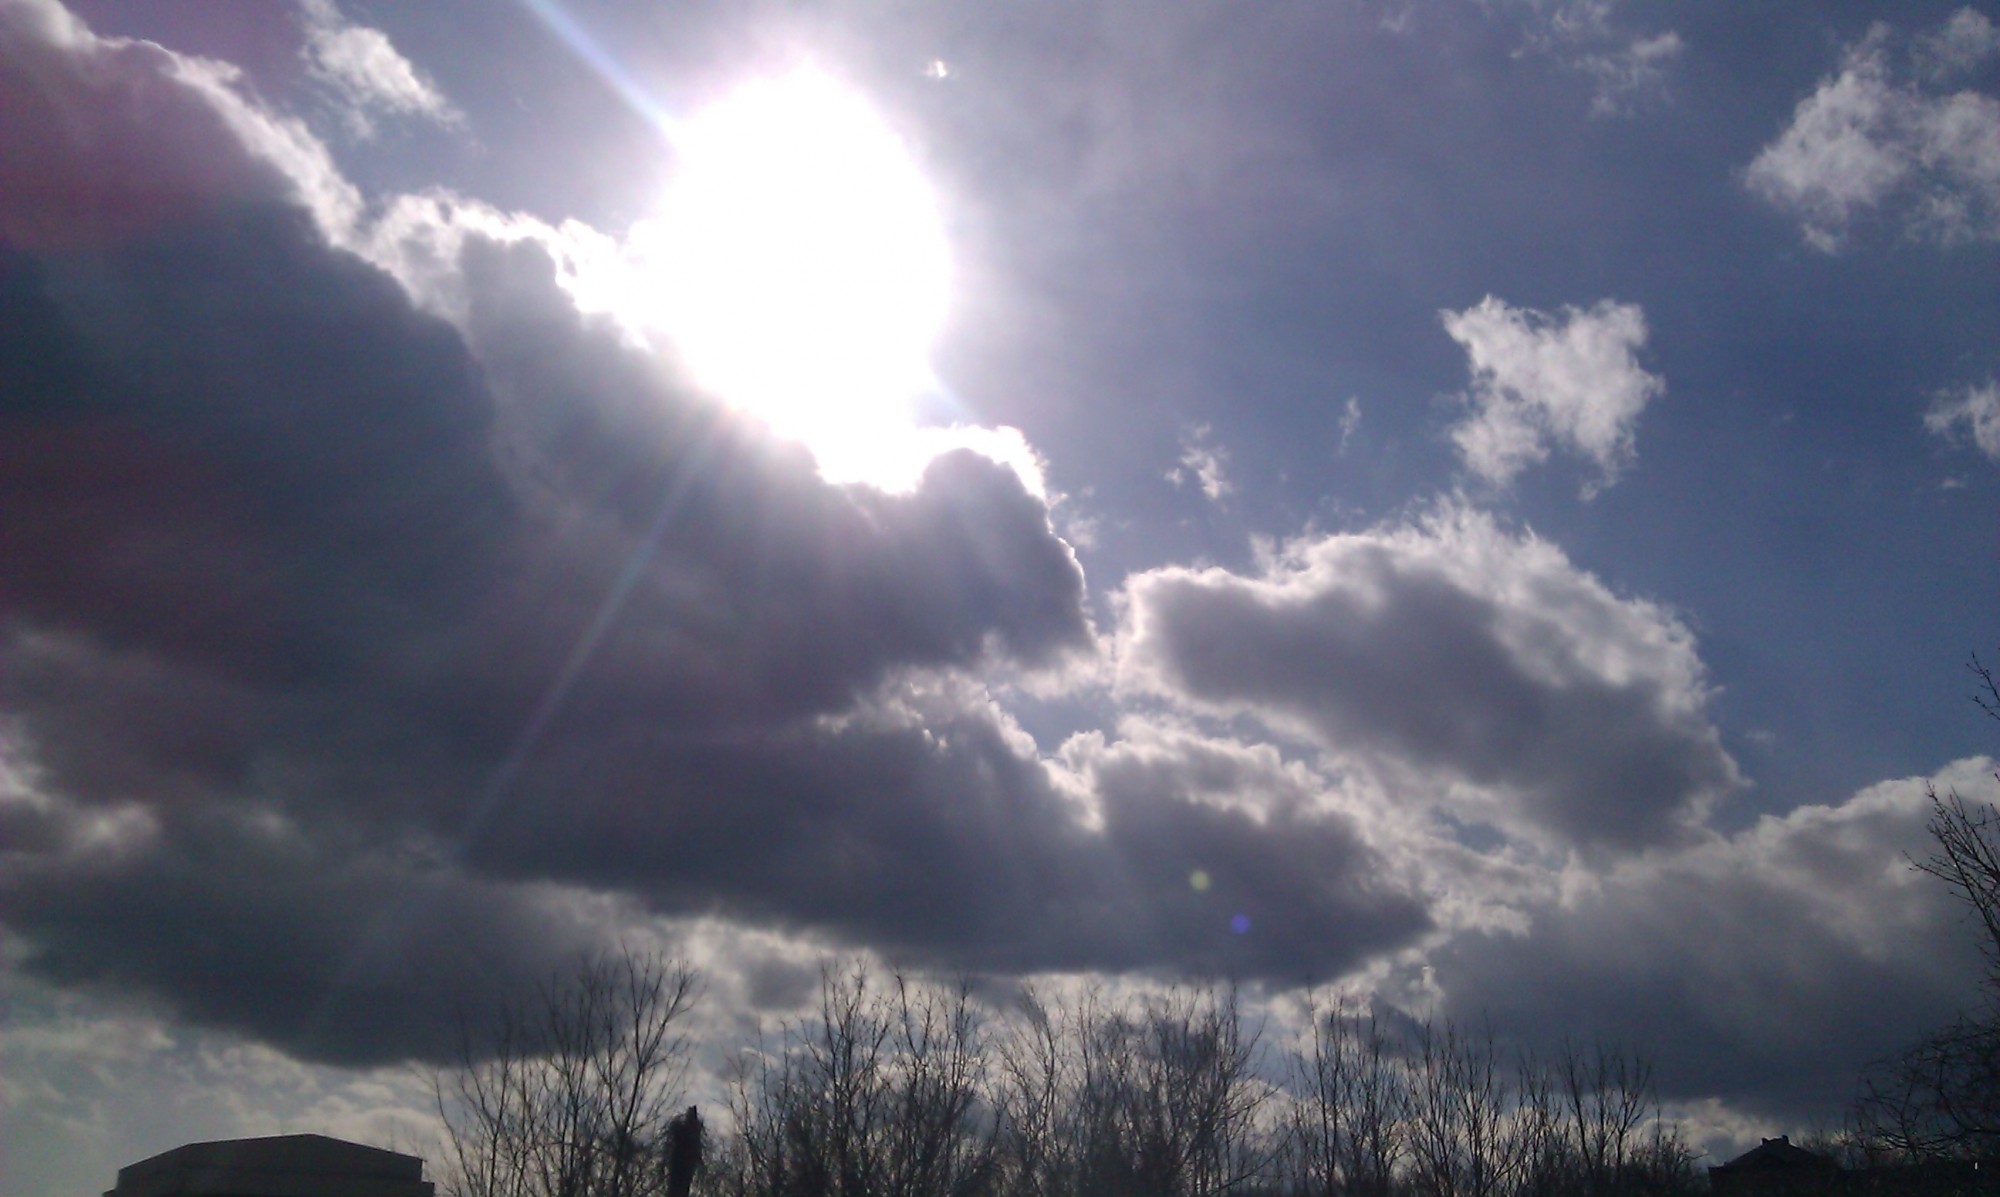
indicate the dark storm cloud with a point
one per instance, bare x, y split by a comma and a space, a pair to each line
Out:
106, 138
330, 950
923, 826
796, 588
1452, 647
226, 442
920, 827
329, 629
168, 154
260, 550
1260, 862
1767, 968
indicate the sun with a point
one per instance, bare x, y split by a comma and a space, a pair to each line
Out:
799, 265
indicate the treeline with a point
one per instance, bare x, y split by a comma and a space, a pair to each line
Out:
902, 1088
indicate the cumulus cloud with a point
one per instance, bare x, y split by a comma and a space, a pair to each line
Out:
359, 579
349, 653
240, 919
1257, 865
1757, 966
1539, 382
104, 138
1871, 139
1477, 666
366, 71
1973, 412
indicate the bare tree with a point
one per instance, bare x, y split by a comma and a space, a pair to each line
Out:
1606, 1095
1149, 1099
1968, 845
1346, 1126
1463, 1138
572, 1094
1200, 1098
1039, 1115
1941, 1098
941, 1140
879, 1095
1548, 1168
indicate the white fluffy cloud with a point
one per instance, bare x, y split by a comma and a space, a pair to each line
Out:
1539, 382
367, 72
1478, 668
1869, 139
1973, 412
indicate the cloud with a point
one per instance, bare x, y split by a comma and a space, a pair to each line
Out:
1585, 35
356, 660
1867, 140
355, 582
365, 70
922, 827
1638, 68
240, 919
1975, 411
1478, 669
1542, 382
105, 138
1964, 41
84, 1082
1758, 966
1203, 463
1293, 885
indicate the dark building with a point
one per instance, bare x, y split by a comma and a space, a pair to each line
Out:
1775, 1168
1779, 1168
280, 1166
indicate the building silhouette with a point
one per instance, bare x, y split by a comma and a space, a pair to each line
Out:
279, 1166
1775, 1168
1780, 1168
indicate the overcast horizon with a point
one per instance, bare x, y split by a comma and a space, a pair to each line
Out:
1481, 505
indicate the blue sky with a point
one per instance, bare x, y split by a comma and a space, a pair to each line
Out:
1505, 489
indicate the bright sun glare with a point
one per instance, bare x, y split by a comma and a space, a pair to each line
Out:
799, 265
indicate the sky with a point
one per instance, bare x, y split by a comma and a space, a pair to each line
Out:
1481, 504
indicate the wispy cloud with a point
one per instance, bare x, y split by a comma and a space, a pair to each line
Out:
1629, 68
1973, 411
1203, 463
367, 72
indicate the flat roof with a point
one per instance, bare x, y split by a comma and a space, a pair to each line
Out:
275, 1166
